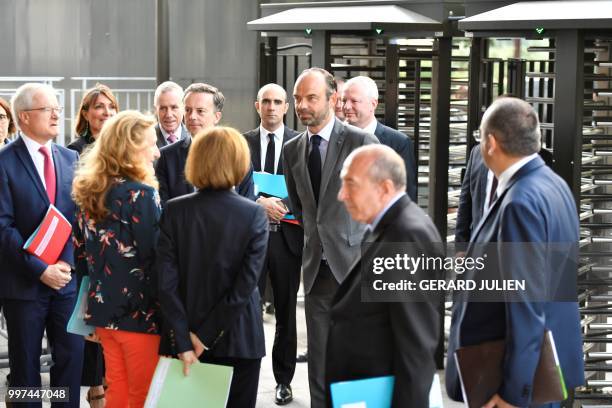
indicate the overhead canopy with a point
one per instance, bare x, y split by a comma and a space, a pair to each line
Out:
553, 15
350, 18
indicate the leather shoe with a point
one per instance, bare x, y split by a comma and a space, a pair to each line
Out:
284, 395
302, 358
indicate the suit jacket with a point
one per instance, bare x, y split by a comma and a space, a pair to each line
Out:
81, 142
293, 234
122, 293
170, 172
161, 140
537, 206
328, 227
371, 339
403, 145
472, 197
208, 268
23, 205
474, 193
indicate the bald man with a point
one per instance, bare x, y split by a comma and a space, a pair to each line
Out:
371, 339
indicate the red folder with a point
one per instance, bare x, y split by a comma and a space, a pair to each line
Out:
48, 240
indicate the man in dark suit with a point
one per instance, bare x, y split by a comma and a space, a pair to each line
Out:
399, 338
531, 204
168, 102
34, 173
284, 256
311, 163
359, 102
203, 109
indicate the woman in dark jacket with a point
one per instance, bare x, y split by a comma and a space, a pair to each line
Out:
97, 106
7, 124
115, 237
210, 255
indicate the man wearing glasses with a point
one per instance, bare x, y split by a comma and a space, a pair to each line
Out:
35, 173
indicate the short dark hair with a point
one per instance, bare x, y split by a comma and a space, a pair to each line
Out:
198, 87
9, 114
330, 81
515, 125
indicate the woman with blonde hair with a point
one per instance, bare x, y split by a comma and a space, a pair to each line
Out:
210, 255
115, 236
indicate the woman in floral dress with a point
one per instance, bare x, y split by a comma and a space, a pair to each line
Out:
115, 236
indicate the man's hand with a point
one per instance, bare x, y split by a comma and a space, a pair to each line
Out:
198, 346
56, 276
274, 207
497, 402
93, 337
188, 358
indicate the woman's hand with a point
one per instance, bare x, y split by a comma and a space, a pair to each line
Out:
188, 358
93, 337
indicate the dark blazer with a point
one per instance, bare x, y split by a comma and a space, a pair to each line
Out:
371, 339
170, 172
404, 146
118, 253
327, 226
81, 142
293, 234
472, 197
161, 140
537, 207
23, 205
210, 255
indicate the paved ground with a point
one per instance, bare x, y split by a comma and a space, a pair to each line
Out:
267, 384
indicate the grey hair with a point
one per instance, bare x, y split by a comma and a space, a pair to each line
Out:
367, 83
515, 125
23, 98
198, 87
387, 164
167, 86
264, 88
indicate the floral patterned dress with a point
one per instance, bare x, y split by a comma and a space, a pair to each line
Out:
118, 254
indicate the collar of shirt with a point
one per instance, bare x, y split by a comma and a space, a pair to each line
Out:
178, 132
381, 214
371, 128
507, 174
325, 133
278, 134
37, 157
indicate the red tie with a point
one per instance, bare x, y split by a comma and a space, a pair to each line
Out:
49, 174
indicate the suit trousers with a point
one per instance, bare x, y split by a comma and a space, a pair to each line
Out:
245, 380
26, 322
283, 268
318, 304
130, 359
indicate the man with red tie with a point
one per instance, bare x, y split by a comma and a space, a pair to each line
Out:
35, 173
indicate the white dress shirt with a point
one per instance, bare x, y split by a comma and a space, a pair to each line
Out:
278, 144
37, 157
505, 177
371, 127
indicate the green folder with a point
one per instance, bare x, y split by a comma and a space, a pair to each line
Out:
207, 385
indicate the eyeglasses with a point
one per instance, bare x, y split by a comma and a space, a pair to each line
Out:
48, 109
3, 117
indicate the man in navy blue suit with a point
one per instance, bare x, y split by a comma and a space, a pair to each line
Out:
359, 102
531, 204
34, 173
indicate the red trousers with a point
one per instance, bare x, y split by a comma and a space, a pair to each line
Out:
130, 360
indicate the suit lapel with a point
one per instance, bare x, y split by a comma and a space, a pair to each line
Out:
331, 157
286, 138
254, 141
59, 174
26, 160
301, 165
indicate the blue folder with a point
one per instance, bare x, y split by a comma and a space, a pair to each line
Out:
77, 324
270, 184
375, 392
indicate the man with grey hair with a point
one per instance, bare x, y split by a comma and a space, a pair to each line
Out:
168, 102
203, 109
359, 102
400, 338
35, 173
531, 204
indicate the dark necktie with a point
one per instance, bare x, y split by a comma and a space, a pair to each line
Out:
49, 172
493, 192
270, 153
314, 165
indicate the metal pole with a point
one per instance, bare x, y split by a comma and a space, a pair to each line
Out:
391, 85
162, 33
